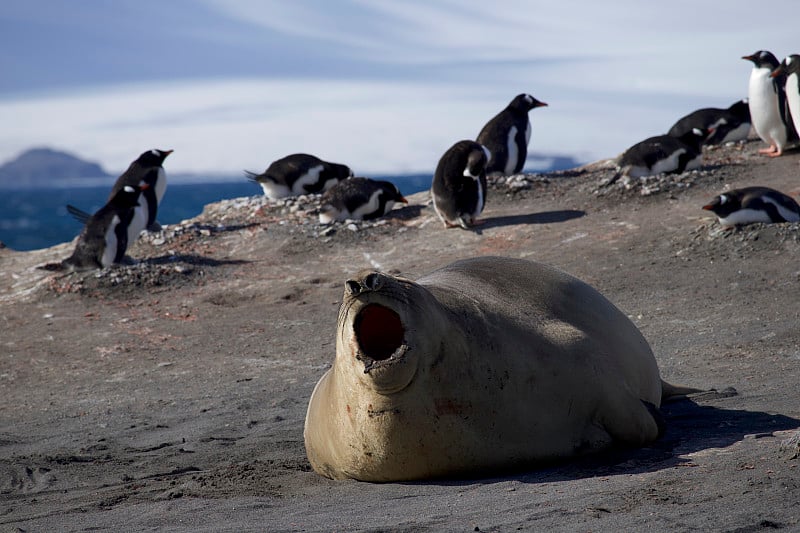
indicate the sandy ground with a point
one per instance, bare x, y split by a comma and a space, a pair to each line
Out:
170, 395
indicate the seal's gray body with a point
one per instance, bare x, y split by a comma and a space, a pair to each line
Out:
488, 363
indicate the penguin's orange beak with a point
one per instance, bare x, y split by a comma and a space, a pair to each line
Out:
707, 207
777, 72
541, 104
749, 58
403, 199
144, 187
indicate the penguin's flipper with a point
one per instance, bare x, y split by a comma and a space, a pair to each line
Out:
78, 214
121, 231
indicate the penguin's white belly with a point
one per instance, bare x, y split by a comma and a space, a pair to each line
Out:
274, 190
110, 250
139, 220
161, 185
764, 111
512, 150
793, 97
744, 216
738, 134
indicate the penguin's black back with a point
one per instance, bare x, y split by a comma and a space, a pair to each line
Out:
723, 121
454, 193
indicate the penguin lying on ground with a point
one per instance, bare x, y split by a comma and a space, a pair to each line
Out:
298, 174
459, 184
507, 135
789, 70
728, 125
359, 199
663, 153
104, 238
753, 204
768, 108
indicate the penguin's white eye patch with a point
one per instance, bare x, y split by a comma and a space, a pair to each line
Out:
529, 98
789, 60
128, 188
697, 131
722, 199
154, 152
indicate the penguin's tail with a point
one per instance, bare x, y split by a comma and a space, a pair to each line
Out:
252, 176
53, 267
78, 214
607, 182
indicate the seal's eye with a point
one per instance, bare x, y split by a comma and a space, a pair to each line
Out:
379, 331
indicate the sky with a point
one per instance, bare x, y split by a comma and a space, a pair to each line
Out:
384, 86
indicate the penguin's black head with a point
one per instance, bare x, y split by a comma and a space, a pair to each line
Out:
524, 102
763, 59
128, 196
153, 158
723, 205
790, 65
392, 192
341, 171
741, 109
477, 159
696, 136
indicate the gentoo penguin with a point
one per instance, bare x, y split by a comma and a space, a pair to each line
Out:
768, 107
728, 125
507, 135
663, 153
146, 168
359, 199
298, 174
753, 204
459, 184
104, 238
789, 69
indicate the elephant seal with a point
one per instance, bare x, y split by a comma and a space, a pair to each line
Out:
488, 363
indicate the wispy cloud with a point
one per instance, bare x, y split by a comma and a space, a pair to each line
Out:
383, 86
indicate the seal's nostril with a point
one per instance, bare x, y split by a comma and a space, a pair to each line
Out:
352, 286
373, 281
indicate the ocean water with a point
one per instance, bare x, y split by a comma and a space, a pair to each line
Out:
31, 219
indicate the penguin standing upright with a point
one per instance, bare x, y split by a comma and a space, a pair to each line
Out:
789, 69
507, 135
728, 125
104, 238
359, 199
662, 153
753, 204
459, 184
768, 109
298, 174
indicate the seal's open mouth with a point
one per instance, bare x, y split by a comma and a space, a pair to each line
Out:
379, 332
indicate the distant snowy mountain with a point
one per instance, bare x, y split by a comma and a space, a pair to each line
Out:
46, 167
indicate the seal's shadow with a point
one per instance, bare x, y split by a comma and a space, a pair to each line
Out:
546, 217
689, 428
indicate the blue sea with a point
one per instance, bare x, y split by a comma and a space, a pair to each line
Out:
37, 218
